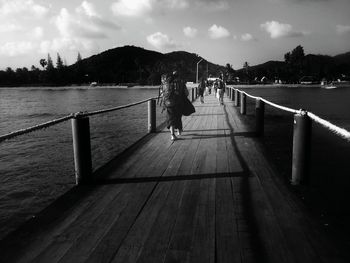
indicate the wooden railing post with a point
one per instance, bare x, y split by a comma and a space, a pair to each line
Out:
237, 97
243, 103
259, 117
233, 94
152, 115
82, 149
192, 94
301, 148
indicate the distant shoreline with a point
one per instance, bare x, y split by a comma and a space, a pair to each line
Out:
189, 85
85, 87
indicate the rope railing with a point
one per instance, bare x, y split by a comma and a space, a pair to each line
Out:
65, 118
330, 126
326, 124
91, 113
34, 128
302, 125
269, 102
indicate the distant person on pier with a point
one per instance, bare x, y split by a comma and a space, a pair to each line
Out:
220, 90
215, 87
201, 89
209, 86
174, 91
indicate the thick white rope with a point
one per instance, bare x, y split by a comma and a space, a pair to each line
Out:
328, 125
270, 103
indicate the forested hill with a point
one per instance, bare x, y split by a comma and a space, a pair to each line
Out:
130, 64
297, 65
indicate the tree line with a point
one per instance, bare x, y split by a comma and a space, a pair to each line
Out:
49, 74
295, 66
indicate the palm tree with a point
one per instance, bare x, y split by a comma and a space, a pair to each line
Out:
43, 62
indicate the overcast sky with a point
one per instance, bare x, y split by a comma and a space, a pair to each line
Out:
221, 31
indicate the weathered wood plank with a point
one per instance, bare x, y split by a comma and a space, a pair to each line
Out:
228, 247
152, 220
182, 235
203, 241
304, 237
110, 243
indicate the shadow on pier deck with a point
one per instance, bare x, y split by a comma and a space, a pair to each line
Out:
210, 196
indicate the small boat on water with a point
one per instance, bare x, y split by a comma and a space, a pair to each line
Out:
330, 86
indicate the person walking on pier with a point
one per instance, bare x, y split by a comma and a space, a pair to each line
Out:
220, 91
174, 91
201, 89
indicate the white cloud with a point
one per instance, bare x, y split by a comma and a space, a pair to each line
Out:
278, 30
247, 37
343, 29
139, 8
85, 23
216, 32
78, 30
132, 7
68, 44
161, 41
174, 4
190, 32
87, 8
7, 28
213, 5
38, 32
71, 26
12, 49
22, 8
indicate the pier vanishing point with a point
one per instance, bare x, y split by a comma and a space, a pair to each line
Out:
211, 196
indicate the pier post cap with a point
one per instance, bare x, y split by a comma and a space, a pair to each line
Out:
78, 115
302, 112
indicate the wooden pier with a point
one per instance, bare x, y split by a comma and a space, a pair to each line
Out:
210, 196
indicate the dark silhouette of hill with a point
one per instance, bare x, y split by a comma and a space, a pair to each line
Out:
130, 64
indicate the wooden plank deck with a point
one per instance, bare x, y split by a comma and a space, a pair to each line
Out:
210, 196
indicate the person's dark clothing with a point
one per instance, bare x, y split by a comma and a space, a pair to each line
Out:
174, 92
201, 89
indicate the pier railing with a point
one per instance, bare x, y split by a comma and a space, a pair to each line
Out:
301, 129
81, 133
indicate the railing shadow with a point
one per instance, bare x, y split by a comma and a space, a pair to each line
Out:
246, 203
146, 179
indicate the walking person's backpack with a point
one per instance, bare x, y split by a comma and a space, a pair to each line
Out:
171, 93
